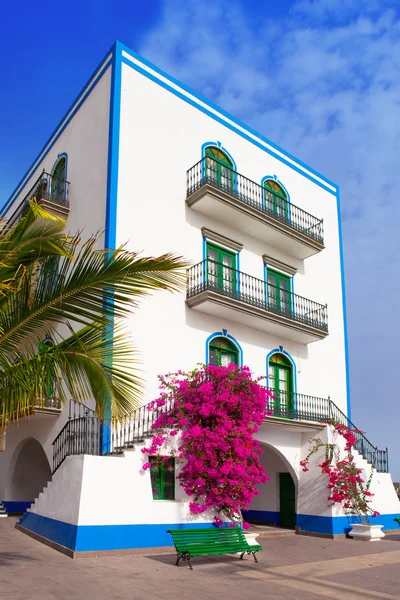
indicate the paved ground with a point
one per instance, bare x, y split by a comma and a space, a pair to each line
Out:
291, 567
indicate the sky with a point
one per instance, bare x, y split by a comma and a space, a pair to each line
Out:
317, 77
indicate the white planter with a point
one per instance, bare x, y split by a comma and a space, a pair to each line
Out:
366, 533
251, 538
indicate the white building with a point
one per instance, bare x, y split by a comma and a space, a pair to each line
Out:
163, 169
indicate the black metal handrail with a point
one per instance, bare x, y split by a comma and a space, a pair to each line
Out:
212, 276
299, 407
83, 434
46, 187
210, 171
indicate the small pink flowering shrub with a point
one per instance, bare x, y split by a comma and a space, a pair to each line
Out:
217, 410
346, 486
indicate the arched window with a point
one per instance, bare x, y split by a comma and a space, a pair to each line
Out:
222, 351
219, 168
58, 190
276, 199
280, 381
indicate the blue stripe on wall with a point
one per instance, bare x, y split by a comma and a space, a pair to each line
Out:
90, 538
13, 506
262, 516
339, 525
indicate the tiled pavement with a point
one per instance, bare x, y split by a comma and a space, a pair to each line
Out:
290, 567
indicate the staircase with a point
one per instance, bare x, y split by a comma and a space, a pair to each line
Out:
2, 510
85, 433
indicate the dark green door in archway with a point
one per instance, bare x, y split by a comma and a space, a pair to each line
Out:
287, 500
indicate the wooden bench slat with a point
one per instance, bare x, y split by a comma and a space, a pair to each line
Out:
211, 541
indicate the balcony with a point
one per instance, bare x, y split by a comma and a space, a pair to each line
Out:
221, 291
50, 192
231, 198
289, 410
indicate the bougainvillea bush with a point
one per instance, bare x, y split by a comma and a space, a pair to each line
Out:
217, 410
346, 486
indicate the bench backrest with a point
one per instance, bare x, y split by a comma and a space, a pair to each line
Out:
184, 538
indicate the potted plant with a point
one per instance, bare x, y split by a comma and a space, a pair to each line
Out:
346, 484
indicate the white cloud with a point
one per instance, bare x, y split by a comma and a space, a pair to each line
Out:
321, 81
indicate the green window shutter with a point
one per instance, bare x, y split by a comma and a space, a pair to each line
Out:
162, 475
221, 268
219, 168
222, 351
276, 199
279, 295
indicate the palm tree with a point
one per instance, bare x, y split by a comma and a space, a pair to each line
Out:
57, 287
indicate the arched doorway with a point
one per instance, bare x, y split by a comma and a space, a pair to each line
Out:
219, 168
280, 381
276, 199
277, 501
29, 473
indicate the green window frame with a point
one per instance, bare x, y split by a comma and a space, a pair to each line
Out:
49, 386
219, 168
276, 199
222, 352
221, 268
58, 185
279, 291
280, 381
162, 475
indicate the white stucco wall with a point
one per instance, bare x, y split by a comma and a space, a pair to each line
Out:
161, 137
85, 141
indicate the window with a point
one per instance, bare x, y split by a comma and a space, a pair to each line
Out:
278, 292
280, 381
58, 182
222, 352
221, 268
276, 199
162, 474
219, 168
49, 385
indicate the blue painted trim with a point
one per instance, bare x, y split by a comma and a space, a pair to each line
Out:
222, 334
110, 234
210, 104
340, 525
280, 350
17, 507
233, 128
345, 332
90, 538
113, 149
89, 87
263, 516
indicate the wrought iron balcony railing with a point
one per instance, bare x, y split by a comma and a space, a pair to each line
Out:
84, 432
215, 277
46, 188
218, 175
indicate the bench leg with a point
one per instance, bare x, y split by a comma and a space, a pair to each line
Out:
178, 558
183, 556
255, 557
241, 556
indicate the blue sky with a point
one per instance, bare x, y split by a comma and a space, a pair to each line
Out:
318, 77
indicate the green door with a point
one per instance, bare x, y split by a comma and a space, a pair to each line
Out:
279, 297
221, 272
287, 501
280, 381
275, 199
219, 168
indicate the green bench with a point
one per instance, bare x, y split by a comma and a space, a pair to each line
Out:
211, 541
